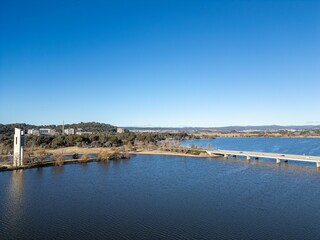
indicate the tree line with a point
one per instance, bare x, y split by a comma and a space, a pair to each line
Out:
103, 139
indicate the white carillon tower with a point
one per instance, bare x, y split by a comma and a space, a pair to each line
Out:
18, 147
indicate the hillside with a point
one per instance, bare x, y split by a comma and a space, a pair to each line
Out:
95, 127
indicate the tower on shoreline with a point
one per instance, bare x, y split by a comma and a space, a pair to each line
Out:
18, 147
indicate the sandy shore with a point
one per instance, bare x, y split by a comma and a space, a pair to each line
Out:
158, 152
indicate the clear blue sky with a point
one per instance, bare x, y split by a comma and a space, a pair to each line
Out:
160, 63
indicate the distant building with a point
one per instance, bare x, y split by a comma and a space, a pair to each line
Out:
120, 130
47, 131
81, 132
69, 131
33, 132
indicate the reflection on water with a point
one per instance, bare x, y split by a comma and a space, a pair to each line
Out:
84, 165
57, 169
103, 165
39, 171
15, 197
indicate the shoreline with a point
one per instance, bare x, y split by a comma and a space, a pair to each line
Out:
79, 150
164, 153
46, 164
71, 150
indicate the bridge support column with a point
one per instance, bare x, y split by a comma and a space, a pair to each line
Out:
278, 161
248, 158
318, 164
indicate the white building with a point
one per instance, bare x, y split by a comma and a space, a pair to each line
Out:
82, 133
33, 132
120, 130
47, 131
69, 131
18, 147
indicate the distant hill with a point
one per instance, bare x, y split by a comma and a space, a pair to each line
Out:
86, 126
103, 127
228, 128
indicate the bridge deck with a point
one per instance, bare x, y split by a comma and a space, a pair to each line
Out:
291, 157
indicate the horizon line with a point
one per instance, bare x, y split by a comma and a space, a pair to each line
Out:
151, 126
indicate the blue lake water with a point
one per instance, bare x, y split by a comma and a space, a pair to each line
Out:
301, 146
165, 197
307, 146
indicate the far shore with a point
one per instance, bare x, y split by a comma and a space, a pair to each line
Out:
210, 134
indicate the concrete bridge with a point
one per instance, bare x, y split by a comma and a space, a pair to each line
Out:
256, 155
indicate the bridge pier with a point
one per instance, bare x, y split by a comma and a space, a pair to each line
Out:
278, 160
318, 164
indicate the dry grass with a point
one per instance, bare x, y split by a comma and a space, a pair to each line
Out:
84, 158
79, 150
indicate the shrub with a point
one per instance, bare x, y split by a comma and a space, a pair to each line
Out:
58, 158
84, 158
103, 155
41, 155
